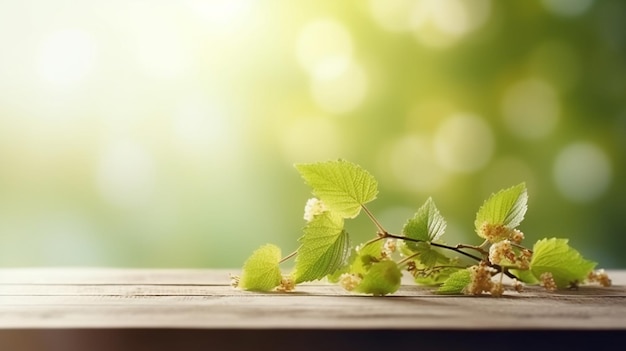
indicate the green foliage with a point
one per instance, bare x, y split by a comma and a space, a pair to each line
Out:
360, 260
343, 186
375, 267
382, 278
456, 283
261, 271
424, 254
525, 276
366, 255
434, 277
505, 208
325, 248
557, 257
427, 224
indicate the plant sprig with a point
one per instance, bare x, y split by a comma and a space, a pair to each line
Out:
342, 189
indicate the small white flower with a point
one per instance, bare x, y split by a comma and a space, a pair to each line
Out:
313, 207
349, 281
390, 247
501, 251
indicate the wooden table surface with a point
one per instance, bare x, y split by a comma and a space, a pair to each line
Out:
52, 303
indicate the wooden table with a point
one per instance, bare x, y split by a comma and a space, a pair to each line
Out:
112, 309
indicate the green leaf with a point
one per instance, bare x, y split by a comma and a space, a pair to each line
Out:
324, 248
343, 186
456, 283
564, 262
435, 277
366, 256
261, 271
427, 224
336, 275
425, 255
525, 276
505, 208
430, 256
381, 279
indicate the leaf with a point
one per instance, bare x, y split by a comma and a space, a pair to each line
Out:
427, 224
565, 263
456, 283
336, 275
505, 208
366, 256
261, 271
324, 248
525, 276
343, 186
436, 277
427, 256
381, 279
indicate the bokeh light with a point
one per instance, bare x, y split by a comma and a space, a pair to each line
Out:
341, 93
324, 48
530, 108
582, 172
463, 143
163, 134
567, 8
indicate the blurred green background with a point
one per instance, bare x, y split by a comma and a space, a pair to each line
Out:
163, 134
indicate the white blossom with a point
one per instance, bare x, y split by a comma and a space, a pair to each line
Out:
313, 207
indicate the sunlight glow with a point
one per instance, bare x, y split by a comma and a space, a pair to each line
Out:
324, 48
435, 23
221, 14
125, 174
310, 139
342, 93
66, 57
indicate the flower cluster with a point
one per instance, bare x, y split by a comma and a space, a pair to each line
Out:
547, 281
286, 284
601, 277
349, 281
516, 236
481, 282
234, 280
499, 232
389, 248
313, 207
518, 286
502, 253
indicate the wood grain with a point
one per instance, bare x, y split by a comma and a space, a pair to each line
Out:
145, 298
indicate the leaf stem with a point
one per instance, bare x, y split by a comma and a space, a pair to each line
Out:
521, 247
381, 230
371, 241
408, 258
288, 257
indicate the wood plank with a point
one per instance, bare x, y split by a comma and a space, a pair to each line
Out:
290, 311
119, 298
114, 276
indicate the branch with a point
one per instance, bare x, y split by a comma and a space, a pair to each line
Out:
443, 246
